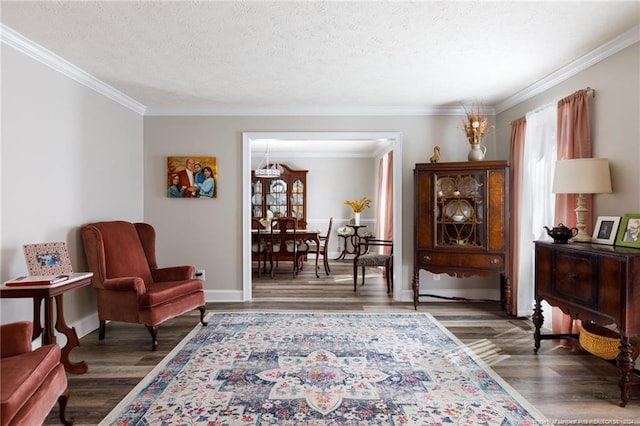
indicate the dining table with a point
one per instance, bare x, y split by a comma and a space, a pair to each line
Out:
301, 235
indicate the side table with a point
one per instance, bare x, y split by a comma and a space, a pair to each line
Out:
48, 293
352, 237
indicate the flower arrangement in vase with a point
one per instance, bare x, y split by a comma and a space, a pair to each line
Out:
266, 221
476, 125
358, 207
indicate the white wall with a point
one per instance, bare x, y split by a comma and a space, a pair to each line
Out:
69, 156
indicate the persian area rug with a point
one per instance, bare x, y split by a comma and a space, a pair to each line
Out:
322, 369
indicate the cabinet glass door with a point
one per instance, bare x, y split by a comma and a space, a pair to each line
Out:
277, 197
297, 199
460, 210
256, 198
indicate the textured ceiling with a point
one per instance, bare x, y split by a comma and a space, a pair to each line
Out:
235, 55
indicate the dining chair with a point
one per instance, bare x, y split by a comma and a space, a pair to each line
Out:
324, 247
374, 252
285, 244
259, 242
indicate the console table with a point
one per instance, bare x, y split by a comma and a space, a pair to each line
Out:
48, 293
591, 282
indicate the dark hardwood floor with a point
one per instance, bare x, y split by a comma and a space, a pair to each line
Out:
565, 384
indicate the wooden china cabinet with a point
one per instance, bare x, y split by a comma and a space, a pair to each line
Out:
461, 222
285, 195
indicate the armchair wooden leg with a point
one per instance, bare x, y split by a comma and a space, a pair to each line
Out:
154, 337
103, 329
62, 401
203, 310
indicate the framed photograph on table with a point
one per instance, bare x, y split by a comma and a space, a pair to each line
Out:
606, 230
629, 235
48, 258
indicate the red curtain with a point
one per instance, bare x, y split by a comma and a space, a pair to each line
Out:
574, 141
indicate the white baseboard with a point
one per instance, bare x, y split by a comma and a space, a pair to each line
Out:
213, 296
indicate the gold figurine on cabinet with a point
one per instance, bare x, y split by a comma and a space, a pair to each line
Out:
436, 155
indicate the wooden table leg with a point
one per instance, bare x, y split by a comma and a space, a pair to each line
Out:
538, 320
72, 341
37, 322
48, 335
625, 365
344, 250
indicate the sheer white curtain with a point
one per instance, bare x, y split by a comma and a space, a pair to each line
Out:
536, 199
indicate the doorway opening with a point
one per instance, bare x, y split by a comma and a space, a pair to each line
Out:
393, 140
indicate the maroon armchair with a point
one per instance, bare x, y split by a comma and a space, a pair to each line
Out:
32, 381
129, 285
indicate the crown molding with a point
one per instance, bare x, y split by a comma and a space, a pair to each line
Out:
13, 39
623, 41
305, 111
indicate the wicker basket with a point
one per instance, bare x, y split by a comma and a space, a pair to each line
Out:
601, 341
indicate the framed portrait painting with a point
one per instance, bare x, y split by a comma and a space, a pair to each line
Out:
606, 230
629, 235
48, 258
192, 177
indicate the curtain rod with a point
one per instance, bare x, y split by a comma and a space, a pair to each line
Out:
589, 91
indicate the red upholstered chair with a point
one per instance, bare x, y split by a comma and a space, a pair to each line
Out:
32, 381
129, 285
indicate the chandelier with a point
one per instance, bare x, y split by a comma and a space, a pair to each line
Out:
267, 170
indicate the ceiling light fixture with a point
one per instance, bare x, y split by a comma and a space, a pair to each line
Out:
265, 169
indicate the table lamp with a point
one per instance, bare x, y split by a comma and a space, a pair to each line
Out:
582, 176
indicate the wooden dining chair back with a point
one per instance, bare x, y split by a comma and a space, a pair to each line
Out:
324, 247
374, 252
284, 246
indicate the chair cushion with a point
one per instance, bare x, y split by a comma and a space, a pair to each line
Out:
255, 249
162, 292
22, 375
372, 259
289, 247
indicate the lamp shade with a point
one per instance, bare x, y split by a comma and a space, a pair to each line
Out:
582, 176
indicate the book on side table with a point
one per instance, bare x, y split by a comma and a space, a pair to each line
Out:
37, 280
